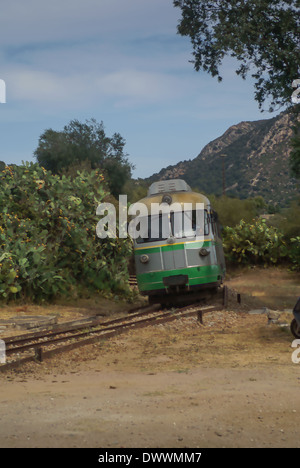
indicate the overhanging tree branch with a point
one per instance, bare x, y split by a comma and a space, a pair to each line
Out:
262, 35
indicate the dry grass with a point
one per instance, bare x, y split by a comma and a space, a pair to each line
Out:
276, 288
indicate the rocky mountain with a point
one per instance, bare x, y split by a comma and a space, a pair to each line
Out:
248, 160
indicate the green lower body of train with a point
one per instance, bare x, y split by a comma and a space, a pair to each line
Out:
195, 276
190, 272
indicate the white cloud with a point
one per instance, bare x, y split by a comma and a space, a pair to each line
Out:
135, 84
42, 87
70, 53
76, 90
33, 21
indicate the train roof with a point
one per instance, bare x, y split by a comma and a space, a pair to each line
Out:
173, 191
170, 185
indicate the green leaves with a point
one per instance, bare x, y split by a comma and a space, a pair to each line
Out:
48, 243
85, 146
294, 253
295, 153
257, 243
262, 36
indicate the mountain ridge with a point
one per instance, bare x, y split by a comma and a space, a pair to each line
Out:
250, 159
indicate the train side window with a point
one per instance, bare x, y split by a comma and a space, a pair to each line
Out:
206, 223
212, 222
215, 224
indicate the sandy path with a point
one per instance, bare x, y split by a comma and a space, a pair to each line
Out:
228, 383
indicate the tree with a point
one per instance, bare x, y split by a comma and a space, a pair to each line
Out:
262, 35
85, 145
295, 154
232, 210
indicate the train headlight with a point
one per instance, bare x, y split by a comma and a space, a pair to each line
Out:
144, 258
204, 252
167, 199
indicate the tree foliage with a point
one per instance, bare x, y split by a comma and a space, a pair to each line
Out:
256, 243
232, 210
295, 153
262, 35
48, 242
85, 144
250, 239
136, 190
287, 220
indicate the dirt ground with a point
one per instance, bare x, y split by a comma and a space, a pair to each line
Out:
230, 382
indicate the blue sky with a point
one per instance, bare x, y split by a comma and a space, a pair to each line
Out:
120, 62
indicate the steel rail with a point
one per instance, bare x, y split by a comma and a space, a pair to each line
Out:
107, 330
24, 343
80, 324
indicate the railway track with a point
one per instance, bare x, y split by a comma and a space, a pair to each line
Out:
45, 344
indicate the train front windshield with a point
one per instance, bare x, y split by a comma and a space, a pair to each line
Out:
178, 224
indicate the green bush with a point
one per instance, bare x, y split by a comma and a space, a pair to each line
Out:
254, 243
294, 253
48, 242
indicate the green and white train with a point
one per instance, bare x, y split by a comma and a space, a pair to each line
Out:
178, 263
